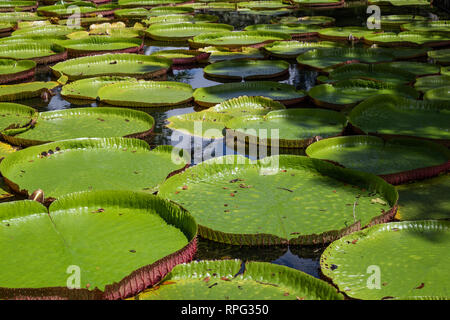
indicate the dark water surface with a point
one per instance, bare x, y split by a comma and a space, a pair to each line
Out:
302, 258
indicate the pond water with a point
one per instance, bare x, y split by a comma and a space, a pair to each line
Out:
302, 258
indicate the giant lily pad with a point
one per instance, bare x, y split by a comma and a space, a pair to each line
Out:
17, 5
13, 115
318, 3
87, 89
427, 26
89, 164
133, 13
222, 54
281, 92
394, 21
247, 69
320, 59
395, 260
438, 94
311, 20
397, 160
263, 5
440, 56
100, 44
291, 49
82, 123
221, 280
166, 10
147, 3
122, 64
409, 38
180, 56
424, 84
115, 238
183, 31
391, 115
39, 52
12, 92
179, 18
293, 128
211, 123
424, 200
237, 39
146, 93
297, 30
85, 9
348, 93
417, 68
12, 70
51, 31
15, 16
285, 199
374, 72
344, 33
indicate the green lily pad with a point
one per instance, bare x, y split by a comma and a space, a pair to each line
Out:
163, 11
438, 94
408, 38
427, 26
391, 115
424, 84
223, 54
397, 160
424, 200
295, 128
146, 93
51, 31
394, 21
82, 123
440, 56
321, 59
5, 150
179, 18
344, 33
183, 31
445, 71
114, 238
291, 49
281, 92
13, 70
211, 123
400, 3
373, 72
245, 105
416, 68
219, 280
86, 21
15, 16
147, 3
100, 45
348, 93
40, 52
133, 13
180, 56
408, 258
311, 20
298, 30
247, 69
208, 125
87, 89
27, 90
14, 115
283, 199
127, 163
318, 3
14, 5
61, 10
237, 39
122, 64
263, 5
